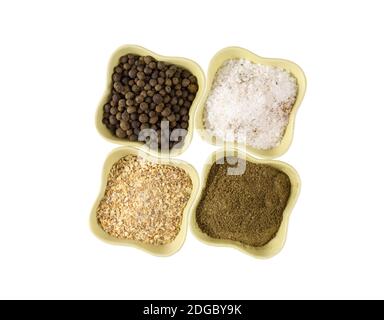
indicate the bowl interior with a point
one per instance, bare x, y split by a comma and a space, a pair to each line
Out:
183, 62
163, 250
236, 53
277, 243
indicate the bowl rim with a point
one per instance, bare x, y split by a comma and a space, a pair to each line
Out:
156, 250
274, 246
235, 52
186, 63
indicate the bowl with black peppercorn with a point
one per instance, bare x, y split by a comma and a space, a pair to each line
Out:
150, 100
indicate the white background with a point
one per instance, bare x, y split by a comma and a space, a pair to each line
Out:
53, 60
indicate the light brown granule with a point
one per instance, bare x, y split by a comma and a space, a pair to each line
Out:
144, 201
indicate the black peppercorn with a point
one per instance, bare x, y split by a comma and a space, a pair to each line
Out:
113, 110
183, 111
107, 107
157, 98
168, 82
159, 107
144, 106
152, 114
174, 101
129, 95
140, 75
192, 88
185, 82
132, 73
139, 99
135, 88
167, 98
144, 126
143, 118
147, 70
135, 124
120, 133
115, 98
123, 59
131, 109
140, 83
171, 118
166, 112
153, 120
112, 120
124, 125
169, 73
153, 82
147, 59
116, 77
125, 116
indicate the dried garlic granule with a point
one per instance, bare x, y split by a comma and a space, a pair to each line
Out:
250, 103
144, 201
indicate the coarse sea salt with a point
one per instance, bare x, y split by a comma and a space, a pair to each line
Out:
250, 103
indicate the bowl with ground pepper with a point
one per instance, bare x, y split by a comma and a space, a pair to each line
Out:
144, 201
150, 100
251, 101
245, 202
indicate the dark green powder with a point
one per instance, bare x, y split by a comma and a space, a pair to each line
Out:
247, 208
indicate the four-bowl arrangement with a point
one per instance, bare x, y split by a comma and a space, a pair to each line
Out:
177, 88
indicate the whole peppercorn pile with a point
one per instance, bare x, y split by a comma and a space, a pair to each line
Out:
146, 92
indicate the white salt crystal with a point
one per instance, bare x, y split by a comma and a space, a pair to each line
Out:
250, 101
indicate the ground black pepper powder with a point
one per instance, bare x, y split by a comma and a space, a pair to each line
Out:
247, 208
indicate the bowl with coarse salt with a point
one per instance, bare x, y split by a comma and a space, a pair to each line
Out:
250, 102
